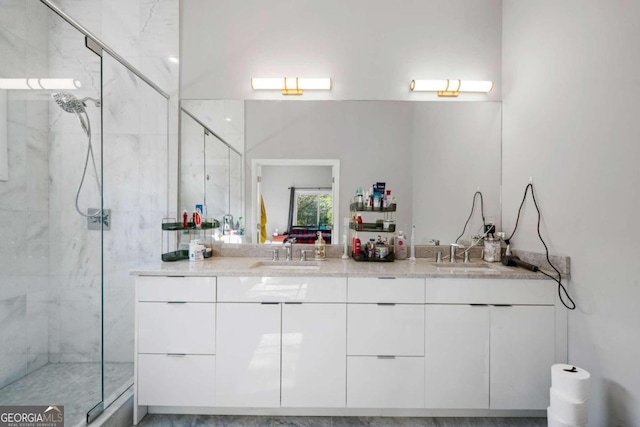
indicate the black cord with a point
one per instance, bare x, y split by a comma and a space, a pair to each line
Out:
561, 287
473, 205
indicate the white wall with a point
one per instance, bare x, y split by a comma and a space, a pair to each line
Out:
276, 181
371, 48
571, 84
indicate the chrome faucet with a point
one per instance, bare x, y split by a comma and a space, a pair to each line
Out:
452, 251
289, 248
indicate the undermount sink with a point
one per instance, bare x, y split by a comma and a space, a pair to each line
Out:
464, 268
286, 265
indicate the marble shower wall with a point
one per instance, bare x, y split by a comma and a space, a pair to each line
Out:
49, 263
135, 174
135, 189
75, 252
24, 198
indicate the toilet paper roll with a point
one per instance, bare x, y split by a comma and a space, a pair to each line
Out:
564, 408
553, 421
571, 381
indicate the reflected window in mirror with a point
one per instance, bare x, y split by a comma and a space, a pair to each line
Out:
310, 211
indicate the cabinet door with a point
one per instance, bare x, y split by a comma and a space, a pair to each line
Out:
248, 355
188, 328
385, 382
314, 355
385, 330
176, 380
457, 356
522, 352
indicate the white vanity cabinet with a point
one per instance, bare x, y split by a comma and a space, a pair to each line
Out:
313, 355
281, 342
490, 343
248, 359
522, 352
175, 341
457, 356
385, 343
345, 345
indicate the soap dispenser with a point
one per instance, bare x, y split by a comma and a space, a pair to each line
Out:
320, 248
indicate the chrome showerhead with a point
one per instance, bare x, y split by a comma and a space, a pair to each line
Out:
68, 102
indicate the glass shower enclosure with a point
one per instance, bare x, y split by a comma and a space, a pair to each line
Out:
83, 190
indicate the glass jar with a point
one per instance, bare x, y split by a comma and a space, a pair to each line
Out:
492, 250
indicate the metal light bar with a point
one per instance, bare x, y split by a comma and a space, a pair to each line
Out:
40, 84
451, 87
290, 85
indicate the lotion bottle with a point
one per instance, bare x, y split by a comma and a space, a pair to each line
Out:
400, 246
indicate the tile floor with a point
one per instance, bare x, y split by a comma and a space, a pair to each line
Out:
245, 421
77, 386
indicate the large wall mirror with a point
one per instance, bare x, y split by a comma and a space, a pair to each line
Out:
433, 156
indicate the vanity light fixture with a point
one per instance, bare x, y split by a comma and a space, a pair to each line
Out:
290, 85
451, 87
40, 84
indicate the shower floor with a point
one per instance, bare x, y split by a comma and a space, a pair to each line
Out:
77, 386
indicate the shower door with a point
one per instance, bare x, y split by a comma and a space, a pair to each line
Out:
68, 101
135, 191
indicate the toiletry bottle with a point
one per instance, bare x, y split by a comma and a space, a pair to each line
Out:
356, 245
196, 251
400, 248
321, 248
359, 222
240, 226
371, 251
185, 219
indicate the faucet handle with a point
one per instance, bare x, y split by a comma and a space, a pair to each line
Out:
276, 254
467, 258
439, 256
303, 255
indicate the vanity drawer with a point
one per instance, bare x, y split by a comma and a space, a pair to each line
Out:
490, 291
282, 289
385, 289
396, 382
167, 288
538, 292
176, 380
165, 327
385, 330
458, 291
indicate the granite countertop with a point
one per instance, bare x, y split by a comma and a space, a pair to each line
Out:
332, 267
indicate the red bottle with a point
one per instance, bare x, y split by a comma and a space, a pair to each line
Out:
185, 219
356, 245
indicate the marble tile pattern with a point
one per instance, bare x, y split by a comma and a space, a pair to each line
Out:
24, 198
251, 421
50, 265
77, 386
